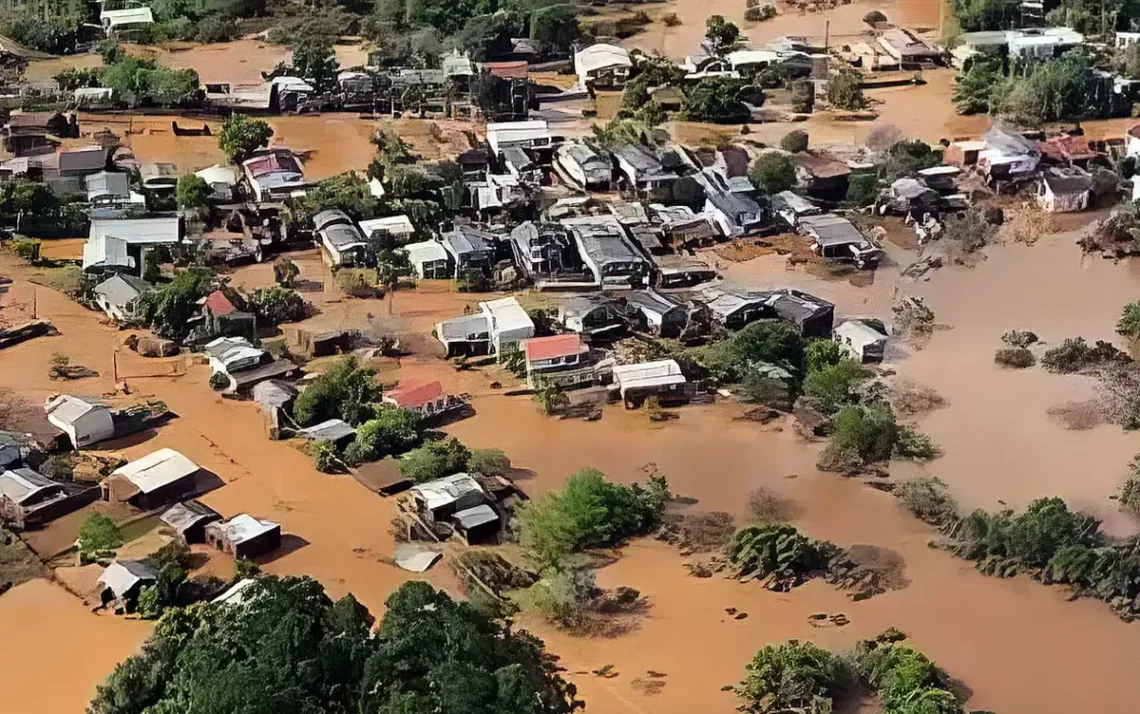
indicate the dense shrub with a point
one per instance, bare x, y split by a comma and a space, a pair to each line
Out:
1129, 323
844, 91
795, 141
98, 534
792, 677
435, 459
489, 462
1019, 338
927, 498
1075, 355
835, 385
866, 434
326, 458
779, 550
773, 172
345, 391
1014, 357
862, 188
393, 431
588, 512
276, 305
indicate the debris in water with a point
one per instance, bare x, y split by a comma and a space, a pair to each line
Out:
416, 558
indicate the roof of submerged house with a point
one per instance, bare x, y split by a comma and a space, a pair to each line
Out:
555, 346
415, 394
157, 469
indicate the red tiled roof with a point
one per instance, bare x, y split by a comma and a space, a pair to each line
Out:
415, 395
219, 304
508, 70
543, 348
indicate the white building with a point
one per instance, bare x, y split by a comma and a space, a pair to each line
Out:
648, 377
530, 134
509, 324
118, 296
585, 168
275, 174
430, 259
124, 243
602, 65
130, 18
85, 422
399, 227
861, 340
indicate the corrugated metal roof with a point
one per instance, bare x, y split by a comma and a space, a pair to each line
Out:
158, 469
244, 528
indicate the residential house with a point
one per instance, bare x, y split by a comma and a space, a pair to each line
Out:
31, 133
602, 66
606, 251
837, 238
337, 432
475, 163
122, 581
650, 311
910, 196
274, 174
342, 240
964, 153
636, 382
85, 422
521, 166
438, 499
811, 316
941, 178
221, 317
469, 335
530, 134
126, 20
244, 536
733, 213
734, 307
682, 228
545, 249
123, 244
189, 519
592, 315
792, 207
584, 168
820, 175
905, 48
430, 260
275, 399
158, 478
222, 180
509, 324
1007, 156
470, 249
313, 342
1064, 190
424, 398
1068, 151
499, 192
118, 296
159, 177
14, 448
110, 188
236, 366
1028, 43
681, 271
398, 228
863, 340
29, 500
558, 360
643, 173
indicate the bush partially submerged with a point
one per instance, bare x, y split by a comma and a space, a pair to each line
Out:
1014, 357
928, 500
1075, 355
1019, 338
867, 434
1130, 491
779, 551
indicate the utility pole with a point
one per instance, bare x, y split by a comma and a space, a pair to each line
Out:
826, 35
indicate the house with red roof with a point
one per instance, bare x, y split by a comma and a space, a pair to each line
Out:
424, 398
221, 317
559, 360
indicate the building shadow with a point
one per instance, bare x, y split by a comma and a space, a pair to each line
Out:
125, 442
290, 543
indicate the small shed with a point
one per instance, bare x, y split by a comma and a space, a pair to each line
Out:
430, 260
244, 536
1064, 190
333, 431
13, 448
122, 580
85, 422
118, 296
157, 478
479, 524
440, 498
188, 519
399, 227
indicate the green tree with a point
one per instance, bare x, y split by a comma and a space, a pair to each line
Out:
721, 35
554, 27
844, 90
489, 462
716, 100
588, 512
434, 460
168, 309
314, 59
862, 189
795, 676
773, 172
976, 15
348, 192
345, 391
192, 191
795, 141
98, 534
771, 341
908, 157
240, 136
393, 431
860, 435
27, 249
275, 305
835, 385
1129, 322
977, 88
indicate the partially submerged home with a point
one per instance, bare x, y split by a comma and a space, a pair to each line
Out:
14, 448
189, 520
1007, 156
430, 260
1064, 190
119, 296
469, 335
126, 20
592, 315
30, 133
244, 536
341, 239
122, 581
643, 173
910, 196
156, 479
398, 229
734, 307
221, 317
498, 328
533, 134
821, 175
650, 311
123, 244
106, 188
636, 382
337, 432
811, 316
437, 500
544, 250
733, 213
605, 250
470, 249
940, 178
907, 49
159, 177
275, 398
222, 180
681, 271
584, 168
863, 340
837, 238
79, 162
478, 524
274, 174
792, 207
602, 66
1068, 151
427, 399
682, 228
558, 361
236, 366
29, 500
86, 422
